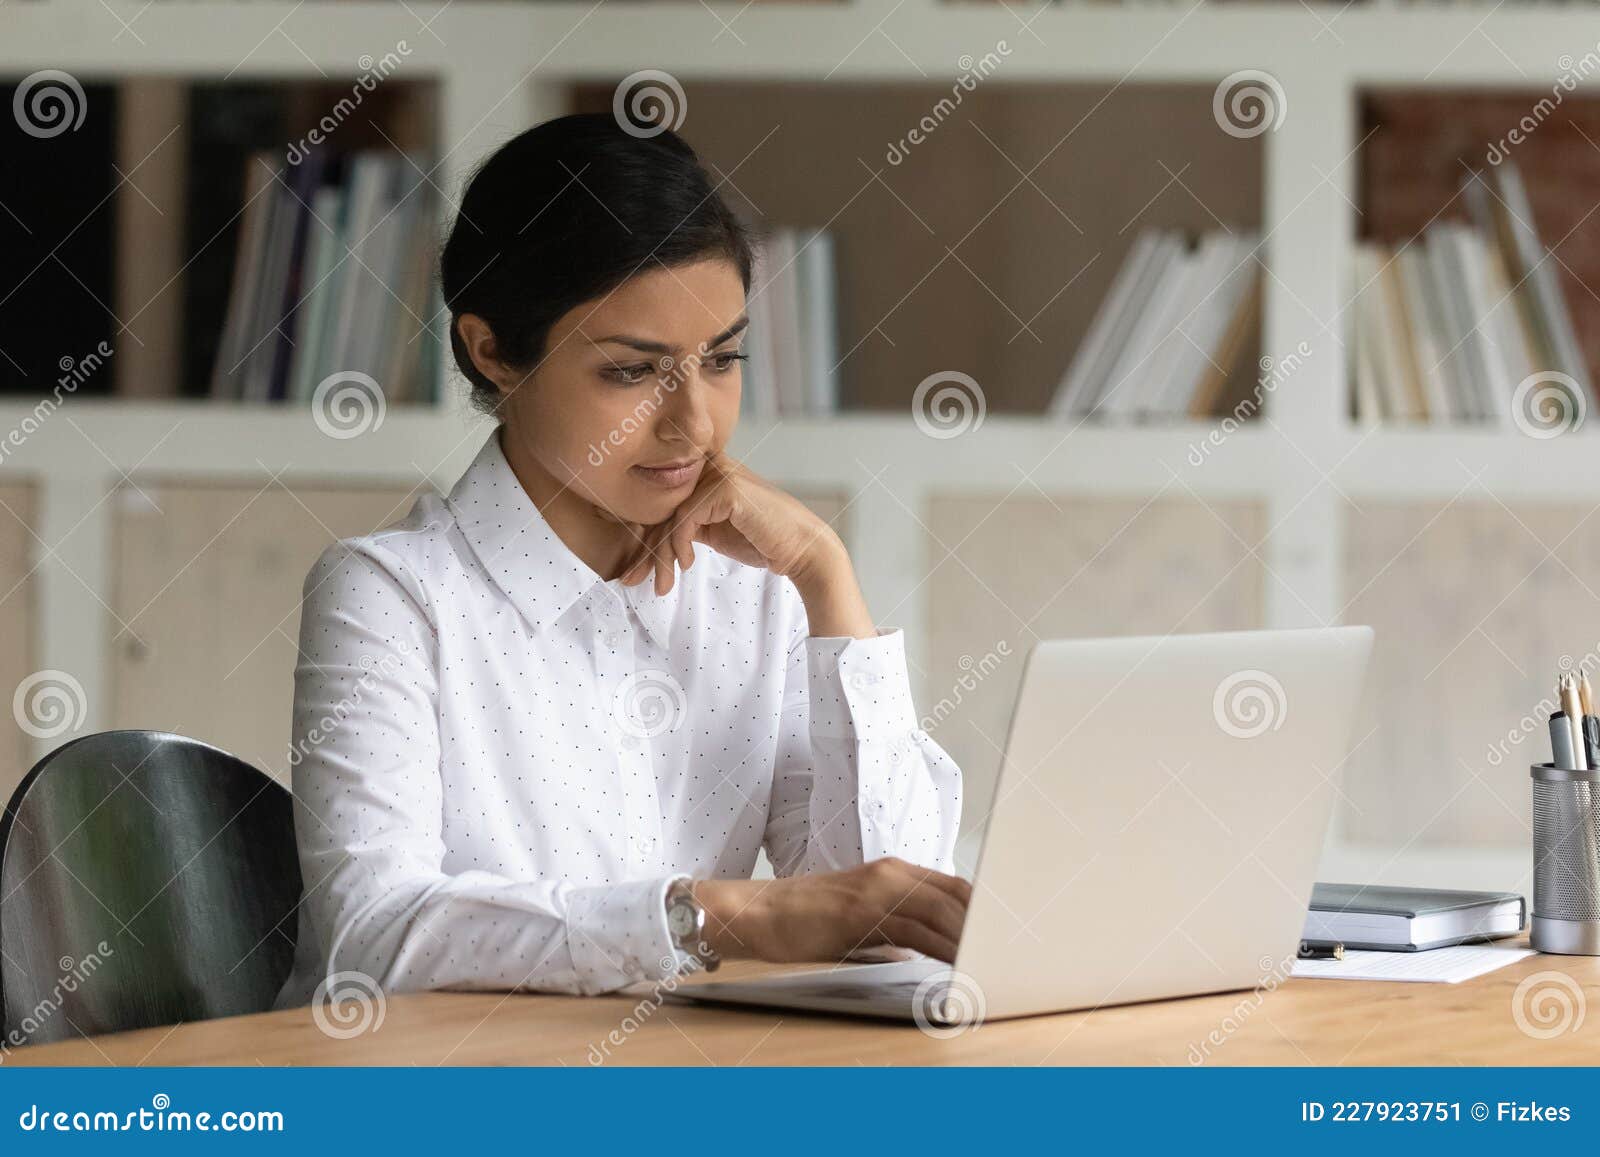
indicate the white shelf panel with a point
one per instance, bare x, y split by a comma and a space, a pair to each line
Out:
1515, 46
1409, 464
90, 437
567, 40
94, 437
1029, 454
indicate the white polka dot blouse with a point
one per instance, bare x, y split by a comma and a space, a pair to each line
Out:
501, 761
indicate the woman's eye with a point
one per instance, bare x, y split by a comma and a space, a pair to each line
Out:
629, 375
726, 362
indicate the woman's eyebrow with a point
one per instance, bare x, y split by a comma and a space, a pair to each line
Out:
645, 345
638, 343
736, 327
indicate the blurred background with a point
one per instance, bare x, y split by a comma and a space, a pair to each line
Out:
1075, 319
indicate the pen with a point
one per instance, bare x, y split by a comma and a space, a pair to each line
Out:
1573, 709
1321, 950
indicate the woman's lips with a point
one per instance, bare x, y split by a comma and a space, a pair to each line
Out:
669, 477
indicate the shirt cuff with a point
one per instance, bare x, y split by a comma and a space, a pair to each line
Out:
860, 688
618, 935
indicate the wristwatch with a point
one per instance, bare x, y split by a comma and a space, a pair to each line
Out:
686, 922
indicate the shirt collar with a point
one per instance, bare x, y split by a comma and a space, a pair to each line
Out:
538, 572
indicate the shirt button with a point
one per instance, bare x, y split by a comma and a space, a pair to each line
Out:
629, 739
611, 639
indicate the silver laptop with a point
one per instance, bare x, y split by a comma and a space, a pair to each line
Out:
1155, 832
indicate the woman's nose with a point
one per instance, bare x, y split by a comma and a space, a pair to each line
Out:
687, 412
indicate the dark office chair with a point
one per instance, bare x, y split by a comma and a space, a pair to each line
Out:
145, 879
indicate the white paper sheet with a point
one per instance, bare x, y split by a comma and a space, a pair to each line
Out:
1437, 965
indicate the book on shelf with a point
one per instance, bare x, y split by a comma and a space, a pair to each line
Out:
332, 275
792, 346
1448, 325
1169, 332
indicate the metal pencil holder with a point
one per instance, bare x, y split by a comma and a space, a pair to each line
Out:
1566, 861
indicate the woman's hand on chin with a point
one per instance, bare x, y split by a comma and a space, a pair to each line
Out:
829, 915
738, 513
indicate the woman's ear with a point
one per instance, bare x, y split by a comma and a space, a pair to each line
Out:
481, 348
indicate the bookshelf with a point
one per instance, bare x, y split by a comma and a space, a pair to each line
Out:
491, 69
1475, 257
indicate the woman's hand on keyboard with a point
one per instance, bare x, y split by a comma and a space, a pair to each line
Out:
828, 915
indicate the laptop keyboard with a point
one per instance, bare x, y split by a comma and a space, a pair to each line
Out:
849, 990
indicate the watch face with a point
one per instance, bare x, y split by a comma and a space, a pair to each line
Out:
680, 921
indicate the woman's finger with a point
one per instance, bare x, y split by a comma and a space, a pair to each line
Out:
952, 885
686, 528
670, 531
906, 932
663, 564
936, 908
682, 536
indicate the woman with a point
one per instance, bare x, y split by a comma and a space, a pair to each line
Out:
544, 725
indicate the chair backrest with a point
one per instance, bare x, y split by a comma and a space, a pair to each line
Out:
145, 878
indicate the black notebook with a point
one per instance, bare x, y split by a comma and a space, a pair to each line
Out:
1410, 919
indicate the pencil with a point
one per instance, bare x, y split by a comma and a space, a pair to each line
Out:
1586, 694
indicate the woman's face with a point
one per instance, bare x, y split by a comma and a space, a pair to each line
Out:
636, 388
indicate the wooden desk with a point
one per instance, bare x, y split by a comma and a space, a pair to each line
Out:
1302, 1022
